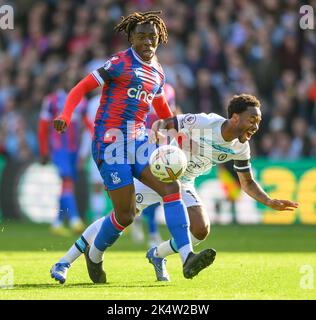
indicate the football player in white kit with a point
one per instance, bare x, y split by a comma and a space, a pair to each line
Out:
211, 139
149, 212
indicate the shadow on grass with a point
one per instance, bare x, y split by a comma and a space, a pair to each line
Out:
85, 285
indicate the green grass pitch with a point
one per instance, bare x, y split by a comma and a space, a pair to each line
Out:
253, 262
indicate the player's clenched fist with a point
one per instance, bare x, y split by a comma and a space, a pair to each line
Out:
60, 125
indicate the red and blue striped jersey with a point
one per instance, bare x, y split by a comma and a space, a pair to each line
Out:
52, 106
129, 87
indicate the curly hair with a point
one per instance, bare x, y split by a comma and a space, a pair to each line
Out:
240, 103
129, 23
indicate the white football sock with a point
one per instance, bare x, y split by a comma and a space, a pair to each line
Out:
89, 234
165, 249
184, 252
72, 254
95, 254
154, 239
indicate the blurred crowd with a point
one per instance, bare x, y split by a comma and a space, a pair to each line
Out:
216, 49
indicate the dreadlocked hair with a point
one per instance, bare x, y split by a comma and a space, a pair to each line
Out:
129, 23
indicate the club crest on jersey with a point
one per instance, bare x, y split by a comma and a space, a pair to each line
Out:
222, 157
140, 94
115, 178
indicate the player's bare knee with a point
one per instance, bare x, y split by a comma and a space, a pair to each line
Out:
126, 221
126, 218
200, 231
171, 188
207, 230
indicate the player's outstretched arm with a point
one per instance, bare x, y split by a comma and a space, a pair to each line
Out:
75, 95
254, 190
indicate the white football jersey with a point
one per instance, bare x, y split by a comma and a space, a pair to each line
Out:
205, 146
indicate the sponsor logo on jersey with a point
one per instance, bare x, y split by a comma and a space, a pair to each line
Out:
140, 94
217, 146
223, 149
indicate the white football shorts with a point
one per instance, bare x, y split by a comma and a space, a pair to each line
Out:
146, 196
